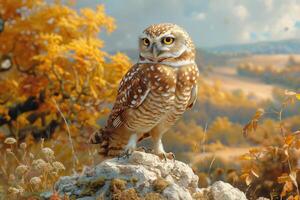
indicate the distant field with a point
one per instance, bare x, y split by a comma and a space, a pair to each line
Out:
231, 81
264, 60
227, 154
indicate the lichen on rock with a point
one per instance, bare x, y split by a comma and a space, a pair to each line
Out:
141, 176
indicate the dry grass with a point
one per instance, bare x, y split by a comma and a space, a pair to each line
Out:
27, 173
227, 154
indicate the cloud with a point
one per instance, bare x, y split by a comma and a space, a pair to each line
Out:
209, 22
282, 23
268, 4
200, 16
240, 11
246, 36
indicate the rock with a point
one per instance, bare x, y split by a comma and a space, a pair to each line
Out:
225, 191
220, 190
142, 176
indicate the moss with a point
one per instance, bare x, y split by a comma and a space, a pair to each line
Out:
134, 180
160, 184
118, 185
153, 196
203, 180
129, 194
92, 186
72, 197
98, 182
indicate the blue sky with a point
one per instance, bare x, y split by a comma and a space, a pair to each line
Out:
209, 22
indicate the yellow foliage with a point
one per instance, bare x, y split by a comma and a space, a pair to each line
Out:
56, 54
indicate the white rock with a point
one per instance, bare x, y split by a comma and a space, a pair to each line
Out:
177, 193
140, 171
225, 191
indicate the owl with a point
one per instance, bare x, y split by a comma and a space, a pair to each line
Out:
153, 94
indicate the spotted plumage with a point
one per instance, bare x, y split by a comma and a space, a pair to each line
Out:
154, 93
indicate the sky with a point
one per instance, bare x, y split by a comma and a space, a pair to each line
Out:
209, 22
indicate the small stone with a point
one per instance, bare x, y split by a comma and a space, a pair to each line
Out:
225, 191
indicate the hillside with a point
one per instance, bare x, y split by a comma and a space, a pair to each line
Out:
291, 46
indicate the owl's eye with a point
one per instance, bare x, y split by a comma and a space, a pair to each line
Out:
168, 40
146, 41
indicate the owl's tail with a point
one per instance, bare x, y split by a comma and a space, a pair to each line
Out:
101, 137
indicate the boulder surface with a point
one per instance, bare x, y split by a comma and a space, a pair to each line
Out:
142, 176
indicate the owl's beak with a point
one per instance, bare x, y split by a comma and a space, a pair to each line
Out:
155, 51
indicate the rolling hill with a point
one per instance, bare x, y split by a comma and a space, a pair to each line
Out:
291, 46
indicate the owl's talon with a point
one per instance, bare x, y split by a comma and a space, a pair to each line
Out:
173, 155
130, 147
167, 156
144, 149
125, 154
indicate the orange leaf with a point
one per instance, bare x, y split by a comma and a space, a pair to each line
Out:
297, 144
288, 187
246, 157
259, 113
249, 180
289, 139
254, 151
283, 178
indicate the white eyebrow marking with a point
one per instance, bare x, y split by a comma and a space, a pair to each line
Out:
143, 35
168, 33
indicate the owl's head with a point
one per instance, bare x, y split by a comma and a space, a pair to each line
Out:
166, 44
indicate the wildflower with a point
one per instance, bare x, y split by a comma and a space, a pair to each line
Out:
48, 167
21, 190
58, 166
23, 145
10, 140
48, 153
21, 170
31, 155
11, 178
53, 173
35, 180
13, 190
9, 151
38, 164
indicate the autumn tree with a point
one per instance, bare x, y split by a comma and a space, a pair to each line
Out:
52, 67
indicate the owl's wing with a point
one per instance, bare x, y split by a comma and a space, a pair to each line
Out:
194, 94
132, 91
